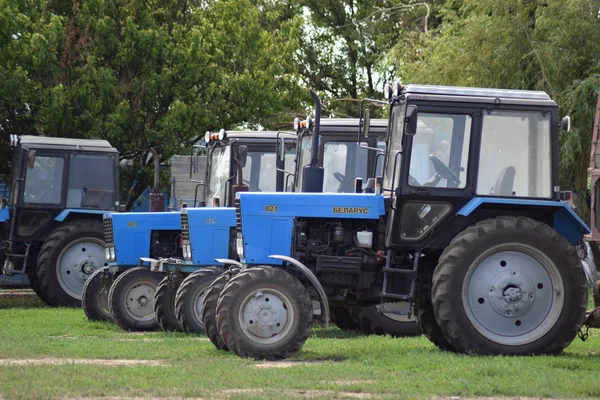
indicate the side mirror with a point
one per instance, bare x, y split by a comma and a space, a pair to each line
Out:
242, 155
367, 122
566, 123
410, 120
30, 159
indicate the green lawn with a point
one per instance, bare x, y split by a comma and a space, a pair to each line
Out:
345, 365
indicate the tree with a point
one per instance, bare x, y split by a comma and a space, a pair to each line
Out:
157, 74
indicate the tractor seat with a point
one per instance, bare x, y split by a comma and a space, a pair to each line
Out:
505, 182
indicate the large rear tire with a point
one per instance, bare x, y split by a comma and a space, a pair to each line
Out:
342, 318
68, 257
372, 321
209, 310
509, 285
164, 304
264, 313
131, 299
430, 328
189, 300
95, 296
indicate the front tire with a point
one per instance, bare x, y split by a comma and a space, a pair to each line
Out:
164, 304
209, 310
190, 298
131, 299
264, 313
95, 296
510, 285
67, 259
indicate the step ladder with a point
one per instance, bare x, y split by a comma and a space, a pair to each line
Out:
407, 297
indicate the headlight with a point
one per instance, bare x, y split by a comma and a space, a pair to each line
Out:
239, 246
187, 252
109, 252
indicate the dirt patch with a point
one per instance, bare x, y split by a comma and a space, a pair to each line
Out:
78, 361
493, 398
300, 393
16, 293
285, 364
349, 382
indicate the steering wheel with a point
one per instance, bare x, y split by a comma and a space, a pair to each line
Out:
344, 185
443, 171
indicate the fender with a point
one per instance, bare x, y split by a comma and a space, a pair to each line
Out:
65, 213
565, 221
313, 279
227, 261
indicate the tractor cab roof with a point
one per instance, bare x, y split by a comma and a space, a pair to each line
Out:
479, 95
349, 126
67, 144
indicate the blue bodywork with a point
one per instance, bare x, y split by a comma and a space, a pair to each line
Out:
4, 214
565, 221
65, 213
209, 230
268, 218
132, 233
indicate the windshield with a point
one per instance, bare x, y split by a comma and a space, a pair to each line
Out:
393, 154
218, 172
43, 182
260, 171
345, 161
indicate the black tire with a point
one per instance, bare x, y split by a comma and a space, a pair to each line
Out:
342, 318
49, 277
533, 252
131, 299
209, 311
94, 299
188, 301
372, 321
430, 328
164, 305
276, 345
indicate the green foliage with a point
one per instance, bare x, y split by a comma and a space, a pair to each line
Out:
145, 74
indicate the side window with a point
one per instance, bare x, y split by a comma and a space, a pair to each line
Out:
43, 182
440, 151
515, 154
91, 182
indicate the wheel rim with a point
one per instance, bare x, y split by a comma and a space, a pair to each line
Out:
139, 301
513, 294
398, 306
198, 302
266, 316
77, 262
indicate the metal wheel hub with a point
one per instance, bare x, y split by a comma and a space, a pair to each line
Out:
266, 316
77, 262
199, 303
511, 293
139, 302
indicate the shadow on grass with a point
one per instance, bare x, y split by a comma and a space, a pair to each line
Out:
335, 333
19, 301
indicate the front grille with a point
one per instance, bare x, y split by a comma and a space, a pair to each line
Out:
185, 227
238, 216
109, 238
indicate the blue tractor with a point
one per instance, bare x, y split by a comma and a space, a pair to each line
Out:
335, 147
125, 290
465, 225
51, 225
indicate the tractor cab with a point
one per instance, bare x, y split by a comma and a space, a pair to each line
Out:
244, 161
338, 153
55, 182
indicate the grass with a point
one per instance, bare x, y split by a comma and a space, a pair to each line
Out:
351, 365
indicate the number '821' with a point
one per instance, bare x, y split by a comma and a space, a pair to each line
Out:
271, 208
